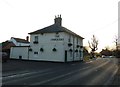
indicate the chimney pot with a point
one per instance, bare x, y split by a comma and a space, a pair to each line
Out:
58, 20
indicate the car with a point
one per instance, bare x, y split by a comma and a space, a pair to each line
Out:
4, 56
103, 56
108, 56
112, 56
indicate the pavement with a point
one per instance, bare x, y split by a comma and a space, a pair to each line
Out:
94, 72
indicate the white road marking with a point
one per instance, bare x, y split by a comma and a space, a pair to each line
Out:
31, 74
112, 77
25, 73
57, 77
101, 76
82, 75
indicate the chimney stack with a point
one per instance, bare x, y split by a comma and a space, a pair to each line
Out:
58, 20
27, 38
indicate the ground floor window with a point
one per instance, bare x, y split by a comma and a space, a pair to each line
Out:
76, 54
80, 53
70, 54
35, 52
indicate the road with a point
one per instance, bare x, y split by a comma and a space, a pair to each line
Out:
94, 72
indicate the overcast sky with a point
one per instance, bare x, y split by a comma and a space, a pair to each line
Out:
84, 17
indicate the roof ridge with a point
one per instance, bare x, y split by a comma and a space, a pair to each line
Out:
20, 40
54, 28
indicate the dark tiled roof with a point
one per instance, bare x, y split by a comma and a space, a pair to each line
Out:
21, 40
54, 28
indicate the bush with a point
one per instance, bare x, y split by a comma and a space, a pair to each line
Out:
86, 58
118, 54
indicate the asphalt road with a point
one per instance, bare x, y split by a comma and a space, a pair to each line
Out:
94, 72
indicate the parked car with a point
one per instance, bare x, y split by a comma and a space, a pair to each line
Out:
107, 56
103, 56
4, 56
112, 56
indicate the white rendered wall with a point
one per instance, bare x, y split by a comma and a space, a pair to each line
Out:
75, 56
23, 44
45, 41
16, 52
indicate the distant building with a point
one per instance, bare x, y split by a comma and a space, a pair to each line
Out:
6, 46
20, 42
52, 43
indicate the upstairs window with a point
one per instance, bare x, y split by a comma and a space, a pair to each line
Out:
77, 40
69, 39
36, 38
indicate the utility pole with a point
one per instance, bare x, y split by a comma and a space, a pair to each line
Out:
116, 44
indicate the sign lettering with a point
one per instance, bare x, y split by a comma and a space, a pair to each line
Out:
57, 39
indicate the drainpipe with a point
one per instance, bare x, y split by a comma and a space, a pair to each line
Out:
73, 48
28, 53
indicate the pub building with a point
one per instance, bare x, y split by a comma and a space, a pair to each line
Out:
52, 43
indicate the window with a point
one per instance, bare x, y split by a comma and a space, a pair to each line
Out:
36, 38
80, 53
77, 40
76, 54
69, 39
35, 52
70, 53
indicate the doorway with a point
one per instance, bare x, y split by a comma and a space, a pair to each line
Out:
65, 56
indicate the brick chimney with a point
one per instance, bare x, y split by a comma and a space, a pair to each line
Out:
27, 38
58, 20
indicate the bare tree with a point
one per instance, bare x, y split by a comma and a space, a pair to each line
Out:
116, 42
117, 52
93, 45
